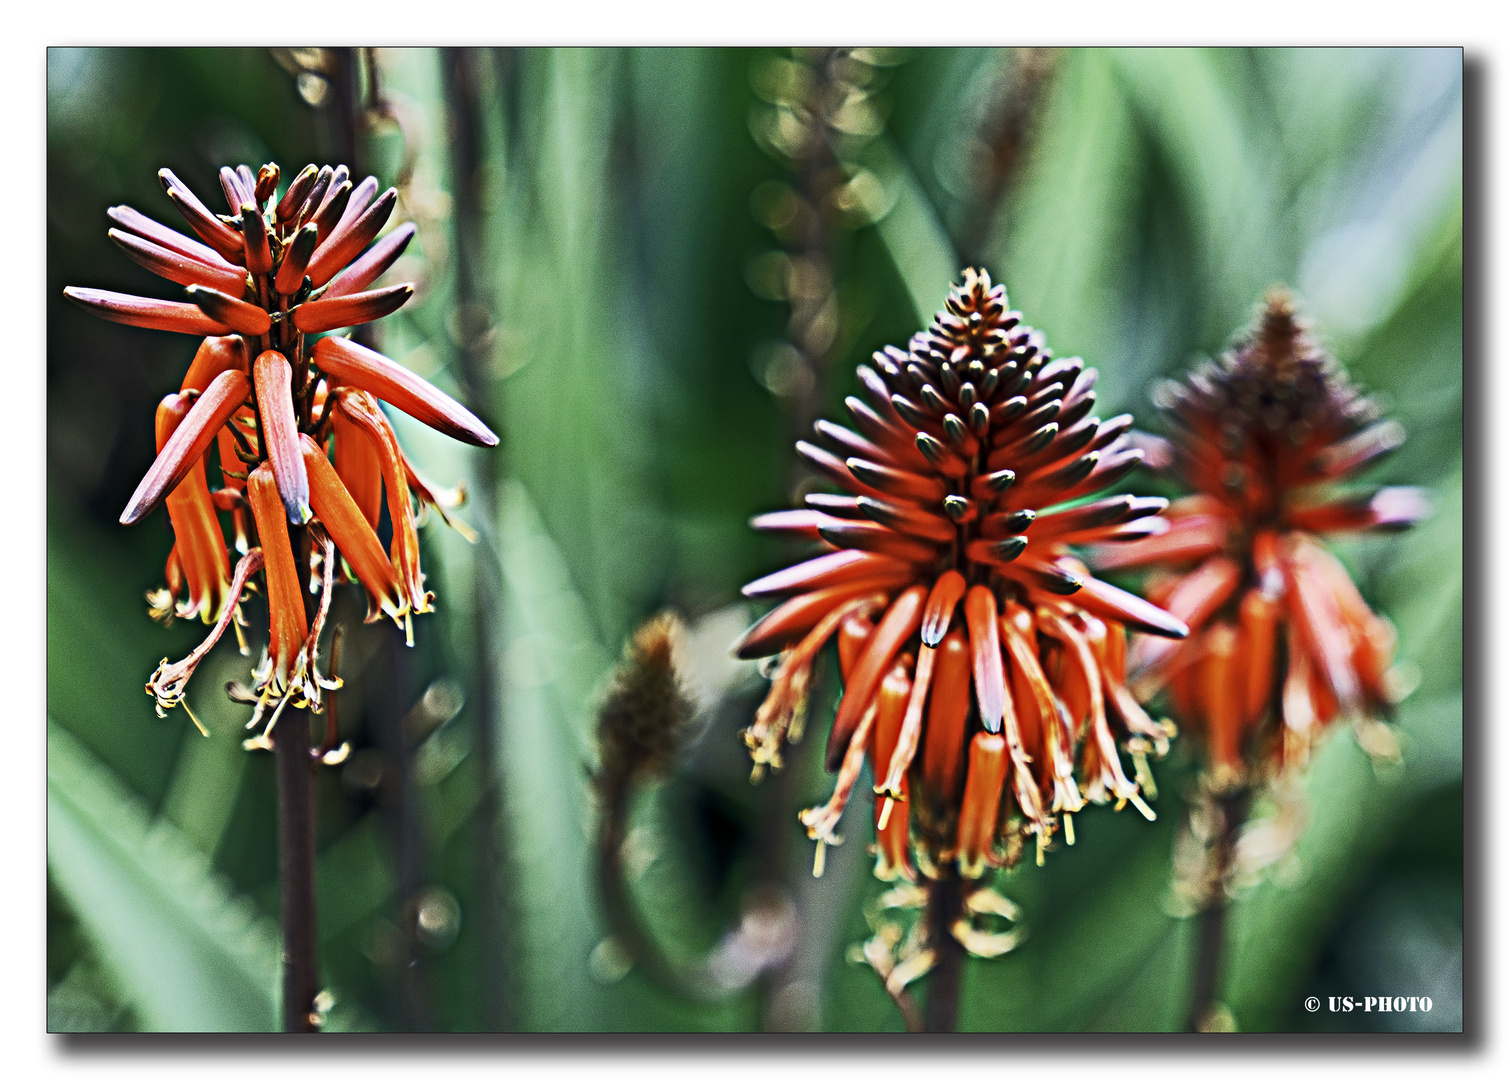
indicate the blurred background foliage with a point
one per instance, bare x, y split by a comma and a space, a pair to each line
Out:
651, 269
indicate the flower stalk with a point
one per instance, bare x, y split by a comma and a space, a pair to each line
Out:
984, 667
1282, 646
250, 288
297, 920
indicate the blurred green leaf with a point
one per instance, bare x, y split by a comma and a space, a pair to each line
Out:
1072, 237
188, 954
1224, 166
918, 245
549, 673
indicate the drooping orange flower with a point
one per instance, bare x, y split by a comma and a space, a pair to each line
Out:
1282, 643
983, 666
276, 404
199, 547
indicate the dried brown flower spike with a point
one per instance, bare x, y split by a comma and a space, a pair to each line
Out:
645, 715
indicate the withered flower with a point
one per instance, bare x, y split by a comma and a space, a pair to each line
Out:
275, 404
1282, 643
983, 666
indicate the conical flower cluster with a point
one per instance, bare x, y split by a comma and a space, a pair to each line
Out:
275, 401
1283, 644
983, 666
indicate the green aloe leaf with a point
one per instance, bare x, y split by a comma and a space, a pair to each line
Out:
912, 233
550, 669
187, 953
1071, 243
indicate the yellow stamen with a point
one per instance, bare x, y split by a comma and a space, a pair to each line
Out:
201, 727
261, 706
1042, 843
1145, 775
885, 814
1143, 807
1069, 829
818, 857
284, 700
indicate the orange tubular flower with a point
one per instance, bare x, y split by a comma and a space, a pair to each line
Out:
287, 627
362, 411
199, 544
358, 543
1283, 643
983, 666
260, 279
358, 465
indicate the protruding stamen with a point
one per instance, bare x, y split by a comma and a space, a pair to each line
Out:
351, 532
169, 681
900, 623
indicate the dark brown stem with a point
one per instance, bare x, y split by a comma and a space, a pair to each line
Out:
945, 902
1232, 809
296, 856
